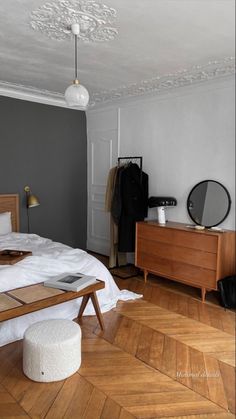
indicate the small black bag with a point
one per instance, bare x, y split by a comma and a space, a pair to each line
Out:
227, 288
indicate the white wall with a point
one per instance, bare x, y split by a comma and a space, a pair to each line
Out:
184, 136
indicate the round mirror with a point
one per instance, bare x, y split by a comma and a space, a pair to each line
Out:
208, 203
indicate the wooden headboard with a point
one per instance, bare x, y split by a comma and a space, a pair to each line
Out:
10, 202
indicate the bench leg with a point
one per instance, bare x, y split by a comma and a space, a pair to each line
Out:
94, 300
97, 309
83, 305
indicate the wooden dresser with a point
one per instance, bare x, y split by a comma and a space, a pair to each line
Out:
197, 258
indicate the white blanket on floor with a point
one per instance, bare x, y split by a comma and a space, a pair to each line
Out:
50, 259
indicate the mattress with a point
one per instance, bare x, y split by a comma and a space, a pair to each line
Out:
50, 259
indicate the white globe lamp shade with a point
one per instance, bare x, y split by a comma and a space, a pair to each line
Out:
77, 96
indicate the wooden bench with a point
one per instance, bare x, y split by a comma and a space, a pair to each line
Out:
20, 301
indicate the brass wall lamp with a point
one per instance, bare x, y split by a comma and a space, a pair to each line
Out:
31, 202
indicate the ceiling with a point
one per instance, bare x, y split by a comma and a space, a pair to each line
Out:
157, 41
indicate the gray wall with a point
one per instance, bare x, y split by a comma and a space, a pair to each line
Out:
45, 147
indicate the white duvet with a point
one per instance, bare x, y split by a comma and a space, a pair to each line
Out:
49, 259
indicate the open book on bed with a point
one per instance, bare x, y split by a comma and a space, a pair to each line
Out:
70, 282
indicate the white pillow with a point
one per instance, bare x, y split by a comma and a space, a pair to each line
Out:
5, 223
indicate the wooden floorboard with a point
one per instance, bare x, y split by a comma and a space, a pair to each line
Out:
184, 349
167, 355
178, 302
9, 407
136, 387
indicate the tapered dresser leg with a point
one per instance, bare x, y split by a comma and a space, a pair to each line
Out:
145, 275
203, 294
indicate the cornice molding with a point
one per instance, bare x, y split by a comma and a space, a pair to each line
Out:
160, 84
157, 85
19, 91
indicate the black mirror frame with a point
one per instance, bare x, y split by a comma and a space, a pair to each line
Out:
229, 202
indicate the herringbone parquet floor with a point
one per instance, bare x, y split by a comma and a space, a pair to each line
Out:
167, 355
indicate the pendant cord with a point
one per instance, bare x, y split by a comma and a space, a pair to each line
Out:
76, 59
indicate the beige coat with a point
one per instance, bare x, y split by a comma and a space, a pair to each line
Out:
115, 256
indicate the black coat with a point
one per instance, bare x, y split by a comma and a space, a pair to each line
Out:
130, 204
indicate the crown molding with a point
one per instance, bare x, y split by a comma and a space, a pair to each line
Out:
152, 97
155, 86
161, 84
32, 94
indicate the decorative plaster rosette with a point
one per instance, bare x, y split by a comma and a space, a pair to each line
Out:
55, 18
196, 74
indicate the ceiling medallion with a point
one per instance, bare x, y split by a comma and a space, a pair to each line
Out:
55, 19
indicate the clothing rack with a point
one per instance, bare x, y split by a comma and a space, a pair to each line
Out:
132, 159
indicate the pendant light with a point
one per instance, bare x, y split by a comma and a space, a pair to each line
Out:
76, 95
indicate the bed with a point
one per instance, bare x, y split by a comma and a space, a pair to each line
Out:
48, 259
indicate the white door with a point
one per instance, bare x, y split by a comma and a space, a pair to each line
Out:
102, 156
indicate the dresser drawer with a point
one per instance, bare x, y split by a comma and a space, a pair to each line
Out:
177, 253
190, 274
191, 239
197, 258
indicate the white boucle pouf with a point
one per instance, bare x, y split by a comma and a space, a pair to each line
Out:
51, 350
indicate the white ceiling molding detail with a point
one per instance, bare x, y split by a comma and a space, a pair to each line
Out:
19, 91
158, 45
196, 74
158, 85
55, 18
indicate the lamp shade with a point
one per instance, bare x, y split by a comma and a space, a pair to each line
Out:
32, 201
77, 96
